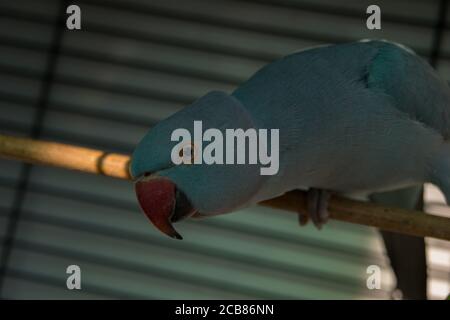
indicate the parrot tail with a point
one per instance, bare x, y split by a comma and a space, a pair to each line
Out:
406, 253
440, 170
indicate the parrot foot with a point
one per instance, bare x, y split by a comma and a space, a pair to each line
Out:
316, 206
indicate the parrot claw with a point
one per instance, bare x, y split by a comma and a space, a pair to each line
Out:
317, 204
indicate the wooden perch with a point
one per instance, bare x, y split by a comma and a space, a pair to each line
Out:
116, 165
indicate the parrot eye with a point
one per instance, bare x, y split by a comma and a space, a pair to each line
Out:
188, 151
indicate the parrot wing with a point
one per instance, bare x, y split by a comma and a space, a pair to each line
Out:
413, 84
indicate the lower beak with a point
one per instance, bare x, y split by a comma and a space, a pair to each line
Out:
162, 203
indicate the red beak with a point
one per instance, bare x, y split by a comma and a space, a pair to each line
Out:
157, 198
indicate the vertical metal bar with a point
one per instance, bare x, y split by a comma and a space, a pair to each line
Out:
36, 130
438, 33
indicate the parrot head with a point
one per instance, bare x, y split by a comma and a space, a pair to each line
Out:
168, 192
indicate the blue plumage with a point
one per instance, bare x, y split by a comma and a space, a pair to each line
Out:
354, 118
359, 117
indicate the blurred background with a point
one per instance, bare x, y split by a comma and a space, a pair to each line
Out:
132, 64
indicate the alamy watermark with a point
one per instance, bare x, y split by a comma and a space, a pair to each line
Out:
241, 146
374, 279
373, 22
74, 280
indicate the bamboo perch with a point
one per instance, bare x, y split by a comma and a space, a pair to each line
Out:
116, 165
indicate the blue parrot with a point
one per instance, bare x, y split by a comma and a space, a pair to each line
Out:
354, 119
